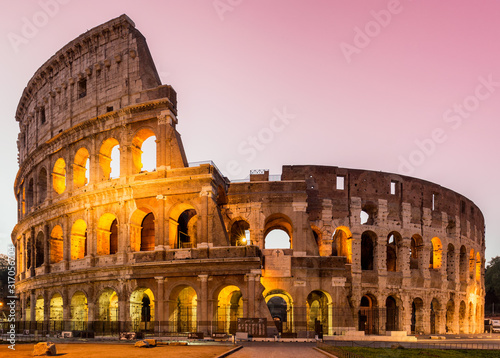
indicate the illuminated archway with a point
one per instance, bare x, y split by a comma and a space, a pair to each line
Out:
56, 244
183, 309
472, 263
56, 312
142, 309
478, 267
142, 230
463, 264
229, 309
280, 305
79, 240
240, 233
39, 311
436, 255
462, 315
107, 235
109, 161
450, 312
59, 176
79, 311
342, 243
144, 151
108, 310
81, 167
319, 312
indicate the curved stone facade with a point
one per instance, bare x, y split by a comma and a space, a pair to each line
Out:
182, 249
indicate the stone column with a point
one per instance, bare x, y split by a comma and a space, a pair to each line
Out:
203, 300
66, 242
160, 303
166, 119
33, 308
66, 309
250, 278
123, 309
46, 309
299, 241
206, 195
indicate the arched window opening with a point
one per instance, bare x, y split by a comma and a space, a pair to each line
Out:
368, 315
450, 310
417, 316
434, 318
416, 247
278, 232
472, 264
186, 229
107, 235
142, 310
392, 314
29, 195
342, 243
56, 245
183, 309
436, 254
109, 159
39, 311
319, 313
78, 240
229, 309
80, 168
28, 252
240, 233
59, 176
463, 264
450, 263
369, 212
144, 151
368, 242
42, 185
280, 307
148, 233
108, 310
478, 267
56, 312
79, 311
462, 313
39, 250
392, 247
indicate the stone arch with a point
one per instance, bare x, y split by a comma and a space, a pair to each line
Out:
81, 166
450, 263
79, 311
368, 248
142, 230
462, 316
435, 316
42, 185
239, 233
417, 316
463, 264
342, 243
105, 154
107, 310
138, 140
471, 318
319, 312
59, 176
393, 244
392, 314
183, 303
183, 226
142, 309
107, 234
79, 240
30, 195
436, 256
368, 318
472, 263
56, 244
280, 305
39, 250
450, 316
229, 308
478, 267
56, 312
416, 246
276, 230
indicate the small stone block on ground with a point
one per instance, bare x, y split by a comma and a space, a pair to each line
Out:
142, 344
151, 342
44, 349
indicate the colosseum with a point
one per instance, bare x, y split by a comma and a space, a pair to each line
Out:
105, 246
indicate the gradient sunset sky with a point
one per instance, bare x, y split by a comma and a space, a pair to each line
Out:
363, 84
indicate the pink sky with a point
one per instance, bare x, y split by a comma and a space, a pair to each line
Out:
234, 70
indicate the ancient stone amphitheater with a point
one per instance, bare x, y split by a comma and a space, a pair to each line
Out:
105, 246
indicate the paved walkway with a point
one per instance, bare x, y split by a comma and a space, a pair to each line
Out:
278, 350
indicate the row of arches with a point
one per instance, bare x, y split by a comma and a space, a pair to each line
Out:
107, 165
